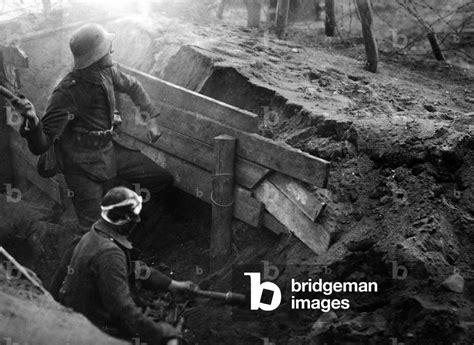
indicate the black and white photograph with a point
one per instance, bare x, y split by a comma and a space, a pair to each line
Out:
236, 172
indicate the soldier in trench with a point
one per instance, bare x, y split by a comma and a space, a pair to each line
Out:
101, 278
77, 134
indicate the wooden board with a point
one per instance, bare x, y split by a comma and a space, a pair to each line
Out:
255, 148
198, 182
185, 99
271, 223
247, 173
309, 204
312, 234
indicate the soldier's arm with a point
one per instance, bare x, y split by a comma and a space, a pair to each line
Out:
153, 279
128, 84
110, 269
57, 114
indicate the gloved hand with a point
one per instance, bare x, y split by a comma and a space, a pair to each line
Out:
153, 130
169, 331
27, 110
182, 286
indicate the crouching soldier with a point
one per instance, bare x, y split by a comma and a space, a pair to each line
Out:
100, 271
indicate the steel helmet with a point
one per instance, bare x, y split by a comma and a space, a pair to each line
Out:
89, 44
121, 206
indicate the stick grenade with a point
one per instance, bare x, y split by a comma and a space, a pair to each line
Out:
231, 297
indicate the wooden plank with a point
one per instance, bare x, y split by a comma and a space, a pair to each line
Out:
316, 238
185, 99
255, 148
298, 194
247, 173
222, 198
197, 181
273, 224
251, 207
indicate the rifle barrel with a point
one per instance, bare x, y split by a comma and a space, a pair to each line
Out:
8, 94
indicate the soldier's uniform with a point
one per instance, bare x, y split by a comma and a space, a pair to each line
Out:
76, 135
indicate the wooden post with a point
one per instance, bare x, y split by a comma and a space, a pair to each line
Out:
222, 199
253, 13
330, 21
281, 20
365, 12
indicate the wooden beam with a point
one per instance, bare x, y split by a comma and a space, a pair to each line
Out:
253, 147
316, 238
197, 181
222, 201
273, 224
247, 173
299, 195
185, 99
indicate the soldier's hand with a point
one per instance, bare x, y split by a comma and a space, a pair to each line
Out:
27, 110
154, 131
183, 286
169, 331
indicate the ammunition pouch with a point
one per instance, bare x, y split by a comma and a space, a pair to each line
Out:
92, 139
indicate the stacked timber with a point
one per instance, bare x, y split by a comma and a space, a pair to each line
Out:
269, 176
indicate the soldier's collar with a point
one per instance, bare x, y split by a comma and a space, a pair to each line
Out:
94, 76
107, 229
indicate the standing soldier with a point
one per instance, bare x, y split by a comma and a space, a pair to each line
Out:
77, 134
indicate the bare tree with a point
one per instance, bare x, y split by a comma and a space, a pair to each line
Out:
330, 23
253, 13
281, 21
220, 9
46, 7
365, 13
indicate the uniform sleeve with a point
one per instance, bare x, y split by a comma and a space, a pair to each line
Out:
151, 278
111, 271
58, 111
128, 84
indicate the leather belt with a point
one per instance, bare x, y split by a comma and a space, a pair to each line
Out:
92, 139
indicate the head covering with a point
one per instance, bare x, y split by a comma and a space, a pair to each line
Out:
121, 206
89, 44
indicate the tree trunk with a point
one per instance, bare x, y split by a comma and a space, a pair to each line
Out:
365, 12
220, 10
435, 46
317, 9
272, 8
253, 13
330, 23
282, 18
46, 7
